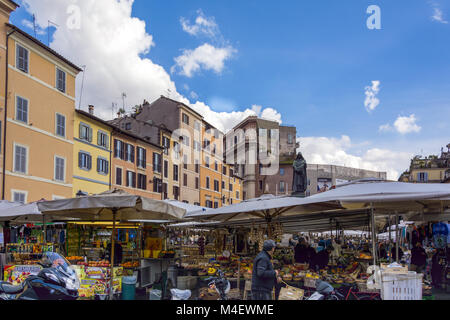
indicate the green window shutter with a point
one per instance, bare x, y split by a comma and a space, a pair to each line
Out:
90, 135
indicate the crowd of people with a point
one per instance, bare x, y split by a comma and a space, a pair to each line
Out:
265, 277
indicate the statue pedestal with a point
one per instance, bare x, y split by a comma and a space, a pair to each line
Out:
299, 194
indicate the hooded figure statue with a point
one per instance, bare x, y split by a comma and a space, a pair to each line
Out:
299, 184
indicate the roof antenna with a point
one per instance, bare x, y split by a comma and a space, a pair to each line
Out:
48, 31
34, 25
82, 85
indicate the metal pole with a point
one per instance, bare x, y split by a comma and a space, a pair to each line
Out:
374, 248
390, 240
44, 226
396, 238
113, 236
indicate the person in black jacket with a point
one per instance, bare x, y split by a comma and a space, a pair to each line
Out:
418, 258
394, 253
264, 276
300, 252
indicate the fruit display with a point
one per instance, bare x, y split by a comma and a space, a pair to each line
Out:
365, 256
131, 264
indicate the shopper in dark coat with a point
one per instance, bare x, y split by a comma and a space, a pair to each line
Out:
264, 276
310, 255
418, 258
437, 267
394, 253
300, 252
322, 258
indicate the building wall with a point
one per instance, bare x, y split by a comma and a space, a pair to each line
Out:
38, 135
435, 175
274, 182
91, 181
133, 167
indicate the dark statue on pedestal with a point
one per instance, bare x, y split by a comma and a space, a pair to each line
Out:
300, 183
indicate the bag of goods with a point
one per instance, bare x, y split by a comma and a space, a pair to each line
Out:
291, 293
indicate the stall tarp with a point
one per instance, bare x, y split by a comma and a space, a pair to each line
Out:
267, 206
190, 208
20, 213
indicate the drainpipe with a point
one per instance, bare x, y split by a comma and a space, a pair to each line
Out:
6, 115
111, 146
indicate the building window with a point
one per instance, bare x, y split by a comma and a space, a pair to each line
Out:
22, 59
197, 167
176, 149
290, 138
20, 159
207, 183
186, 141
237, 195
260, 185
84, 161
422, 177
128, 126
231, 200
196, 125
141, 157
282, 187
60, 80
85, 132
119, 176
281, 172
157, 185
216, 185
223, 200
60, 125
196, 183
164, 190
223, 184
216, 166
129, 156
208, 204
119, 149
102, 166
131, 179
166, 145
142, 182
157, 162
103, 139
175, 172
230, 187
185, 118
231, 173
207, 162
216, 204
166, 169
176, 192
224, 170
22, 109
19, 197
197, 146
60, 169
185, 182
185, 162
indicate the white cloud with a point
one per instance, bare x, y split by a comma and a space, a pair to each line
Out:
205, 57
385, 128
336, 151
371, 92
193, 95
202, 26
406, 125
111, 44
438, 16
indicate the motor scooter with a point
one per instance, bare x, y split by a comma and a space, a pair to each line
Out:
56, 281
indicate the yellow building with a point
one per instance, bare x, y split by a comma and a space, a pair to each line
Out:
92, 153
37, 116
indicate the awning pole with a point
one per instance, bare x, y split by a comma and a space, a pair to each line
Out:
396, 238
390, 240
113, 236
44, 226
374, 246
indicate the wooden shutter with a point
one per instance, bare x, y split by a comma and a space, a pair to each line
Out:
90, 134
115, 148
132, 156
79, 159
89, 162
145, 158
134, 179
98, 164
122, 150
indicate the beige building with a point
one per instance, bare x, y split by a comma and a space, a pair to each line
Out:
37, 116
432, 169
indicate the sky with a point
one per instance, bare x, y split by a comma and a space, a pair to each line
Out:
360, 97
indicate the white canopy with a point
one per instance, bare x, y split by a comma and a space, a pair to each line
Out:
190, 208
20, 213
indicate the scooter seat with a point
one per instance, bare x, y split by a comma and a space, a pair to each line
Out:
8, 288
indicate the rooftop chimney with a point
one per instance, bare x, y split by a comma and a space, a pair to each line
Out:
91, 109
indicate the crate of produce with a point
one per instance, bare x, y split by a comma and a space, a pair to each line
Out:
401, 286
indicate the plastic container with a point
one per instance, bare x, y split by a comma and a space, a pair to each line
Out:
129, 288
401, 286
155, 294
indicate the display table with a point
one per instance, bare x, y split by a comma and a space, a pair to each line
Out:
151, 269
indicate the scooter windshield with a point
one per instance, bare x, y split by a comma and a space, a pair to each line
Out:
64, 268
